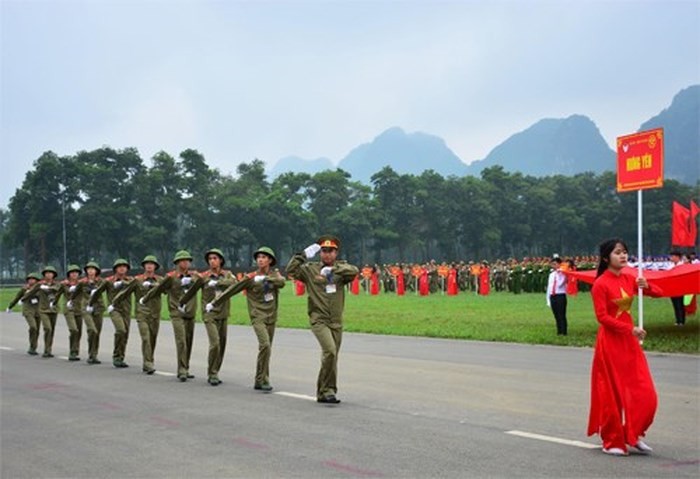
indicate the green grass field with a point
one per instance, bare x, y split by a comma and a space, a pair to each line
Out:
506, 317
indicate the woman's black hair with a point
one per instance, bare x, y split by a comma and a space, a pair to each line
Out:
607, 247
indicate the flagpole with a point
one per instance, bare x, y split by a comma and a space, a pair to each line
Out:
639, 257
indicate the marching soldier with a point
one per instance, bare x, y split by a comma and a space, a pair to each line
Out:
326, 282
147, 314
119, 309
94, 308
214, 314
48, 291
30, 311
73, 310
262, 294
176, 284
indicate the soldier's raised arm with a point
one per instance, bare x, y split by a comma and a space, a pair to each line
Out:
160, 288
124, 293
345, 270
95, 293
199, 282
31, 292
296, 267
276, 279
232, 290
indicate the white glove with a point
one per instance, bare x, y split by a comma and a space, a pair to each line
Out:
186, 280
71, 289
69, 304
259, 278
181, 308
51, 304
45, 287
326, 269
209, 308
141, 301
147, 284
117, 284
92, 292
89, 309
110, 308
311, 250
212, 283
20, 302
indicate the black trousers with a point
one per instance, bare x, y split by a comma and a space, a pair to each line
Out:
558, 302
678, 309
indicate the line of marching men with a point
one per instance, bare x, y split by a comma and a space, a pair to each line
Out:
325, 282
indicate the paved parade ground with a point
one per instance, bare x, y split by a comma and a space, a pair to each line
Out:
412, 407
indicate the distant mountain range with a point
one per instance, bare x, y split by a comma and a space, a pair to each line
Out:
551, 146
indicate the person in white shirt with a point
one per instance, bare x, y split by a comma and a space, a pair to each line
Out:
556, 295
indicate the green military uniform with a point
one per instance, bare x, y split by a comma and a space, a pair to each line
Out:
73, 312
176, 284
326, 300
147, 313
262, 296
119, 310
94, 308
215, 317
30, 311
48, 294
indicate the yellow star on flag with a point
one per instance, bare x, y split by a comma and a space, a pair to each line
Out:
624, 303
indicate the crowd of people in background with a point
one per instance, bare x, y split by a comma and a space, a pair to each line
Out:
529, 275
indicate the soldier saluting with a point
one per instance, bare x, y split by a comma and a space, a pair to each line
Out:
176, 284
325, 281
215, 317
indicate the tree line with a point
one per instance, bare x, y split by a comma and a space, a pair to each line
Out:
114, 204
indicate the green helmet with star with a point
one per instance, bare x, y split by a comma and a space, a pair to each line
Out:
268, 251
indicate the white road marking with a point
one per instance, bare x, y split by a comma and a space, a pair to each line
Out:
63, 357
5, 348
295, 395
163, 373
541, 437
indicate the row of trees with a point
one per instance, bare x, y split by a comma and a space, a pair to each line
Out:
114, 204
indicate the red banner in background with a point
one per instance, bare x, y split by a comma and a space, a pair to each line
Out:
640, 161
679, 281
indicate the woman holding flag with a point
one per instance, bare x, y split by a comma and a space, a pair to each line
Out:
623, 397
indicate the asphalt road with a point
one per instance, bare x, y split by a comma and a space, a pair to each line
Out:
412, 407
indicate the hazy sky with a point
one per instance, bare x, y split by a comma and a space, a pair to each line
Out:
239, 80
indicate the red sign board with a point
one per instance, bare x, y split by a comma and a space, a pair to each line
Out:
640, 161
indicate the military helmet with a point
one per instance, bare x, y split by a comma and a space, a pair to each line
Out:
217, 252
120, 262
182, 254
329, 241
93, 264
49, 269
73, 267
150, 259
268, 251
33, 275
